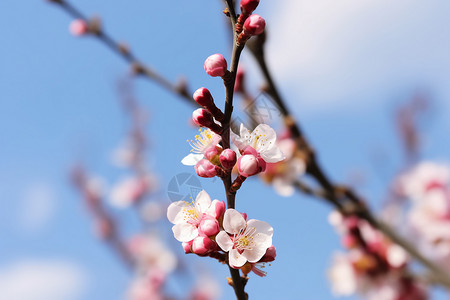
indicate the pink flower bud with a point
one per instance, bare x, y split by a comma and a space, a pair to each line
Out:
248, 6
187, 246
349, 241
270, 255
228, 159
203, 97
78, 27
211, 153
216, 65
205, 168
202, 245
216, 209
202, 117
254, 25
208, 226
249, 165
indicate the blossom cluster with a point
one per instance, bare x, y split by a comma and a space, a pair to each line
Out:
373, 267
208, 228
205, 228
427, 185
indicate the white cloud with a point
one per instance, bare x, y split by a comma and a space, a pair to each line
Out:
41, 280
37, 207
347, 51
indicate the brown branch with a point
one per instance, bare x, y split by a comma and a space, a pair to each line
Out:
340, 197
229, 82
94, 203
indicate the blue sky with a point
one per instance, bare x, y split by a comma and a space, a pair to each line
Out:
346, 67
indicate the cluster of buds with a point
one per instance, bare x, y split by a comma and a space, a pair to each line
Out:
209, 158
256, 149
373, 265
205, 228
210, 115
249, 24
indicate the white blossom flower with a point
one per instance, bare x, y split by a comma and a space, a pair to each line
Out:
262, 139
342, 276
244, 240
423, 178
284, 174
150, 252
187, 216
131, 189
203, 141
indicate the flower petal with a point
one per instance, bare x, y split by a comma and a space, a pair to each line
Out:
283, 187
224, 241
236, 259
202, 201
263, 235
266, 137
185, 232
233, 221
238, 141
261, 227
192, 159
255, 254
272, 155
175, 211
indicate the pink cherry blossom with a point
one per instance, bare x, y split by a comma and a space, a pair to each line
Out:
262, 140
244, 240
187, 216
204, 141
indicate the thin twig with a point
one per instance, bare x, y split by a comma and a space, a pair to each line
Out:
330, 191
126, 54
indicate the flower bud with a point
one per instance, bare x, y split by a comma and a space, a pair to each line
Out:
270, 255
349, 241
216, 209
202, 117
203, 97
216, 65
201, 245
78, 27
187, 246
254, 25
228, 159
249, 165
208, 226
211, 153
205, 168
248, 6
